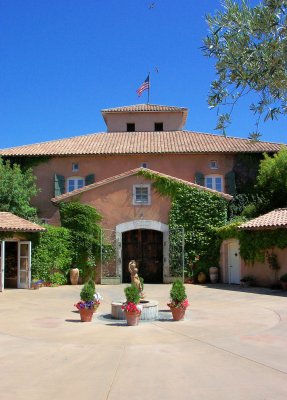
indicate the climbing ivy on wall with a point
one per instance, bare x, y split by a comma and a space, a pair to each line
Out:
51, 253
198, 212
82, 221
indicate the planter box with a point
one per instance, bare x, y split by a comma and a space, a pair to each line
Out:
111, 280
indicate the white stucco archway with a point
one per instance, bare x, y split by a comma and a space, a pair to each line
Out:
143, 224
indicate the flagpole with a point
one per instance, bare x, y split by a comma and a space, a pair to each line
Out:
148, 88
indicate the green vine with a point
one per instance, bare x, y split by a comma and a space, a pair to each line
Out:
198, 212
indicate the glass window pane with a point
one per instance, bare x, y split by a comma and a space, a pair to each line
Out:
80, 183
23, 264
71, 185
208, 182
24, 248
141, 195
218, 184
23, 276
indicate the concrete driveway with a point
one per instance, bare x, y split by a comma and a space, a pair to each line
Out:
232, 345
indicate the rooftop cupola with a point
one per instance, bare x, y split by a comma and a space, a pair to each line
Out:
145, 118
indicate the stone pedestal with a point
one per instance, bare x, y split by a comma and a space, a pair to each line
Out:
149, 310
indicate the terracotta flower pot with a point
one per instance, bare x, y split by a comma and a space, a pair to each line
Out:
178, 313
86, 314
132, 318
74, 276
283, 285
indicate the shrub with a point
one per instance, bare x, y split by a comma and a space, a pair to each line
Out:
57, 278
177, 293
283, 278
87, 292
132, 294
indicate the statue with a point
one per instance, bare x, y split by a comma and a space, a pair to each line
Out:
134, 277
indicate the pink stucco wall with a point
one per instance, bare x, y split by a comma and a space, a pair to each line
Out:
183, 166
114, 201
262, 272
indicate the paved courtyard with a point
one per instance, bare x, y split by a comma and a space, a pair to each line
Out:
232, 345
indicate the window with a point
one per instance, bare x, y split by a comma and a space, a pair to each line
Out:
131, 127
75, 167
141, 194
214, 182
144, 165
213, 164
158, 126
75, 183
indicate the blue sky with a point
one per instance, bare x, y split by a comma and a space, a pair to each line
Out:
62, 61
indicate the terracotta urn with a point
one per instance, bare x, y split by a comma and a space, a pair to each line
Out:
132, 318
213, 274
86, 314
74, 276
201, 277
178, 313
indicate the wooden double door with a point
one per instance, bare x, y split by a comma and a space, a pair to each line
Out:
145, 246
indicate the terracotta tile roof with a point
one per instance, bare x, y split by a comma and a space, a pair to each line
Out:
273, 220
130, 173
166, 142
143, 108
12, 223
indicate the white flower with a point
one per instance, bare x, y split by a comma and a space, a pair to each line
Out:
97, 296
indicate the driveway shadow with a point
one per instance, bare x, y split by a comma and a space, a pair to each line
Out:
249, 289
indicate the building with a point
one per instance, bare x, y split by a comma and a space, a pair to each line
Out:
101, 169
15, 251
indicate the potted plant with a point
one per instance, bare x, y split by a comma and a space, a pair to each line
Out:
86, 305
97, 296
247, 280
131, 307
283, 281
179, 302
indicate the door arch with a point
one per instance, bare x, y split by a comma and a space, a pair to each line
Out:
163, 239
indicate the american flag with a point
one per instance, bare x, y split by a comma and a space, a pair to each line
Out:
143, 86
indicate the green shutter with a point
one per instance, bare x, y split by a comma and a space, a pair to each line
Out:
89, 179
230, 186
59, 185
199, 178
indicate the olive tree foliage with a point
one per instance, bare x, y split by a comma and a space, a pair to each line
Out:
17, 188
249, 45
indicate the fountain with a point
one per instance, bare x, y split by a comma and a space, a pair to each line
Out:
149, 307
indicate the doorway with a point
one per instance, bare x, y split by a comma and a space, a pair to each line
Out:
11, 265
234, 273
15, 264
145, 246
